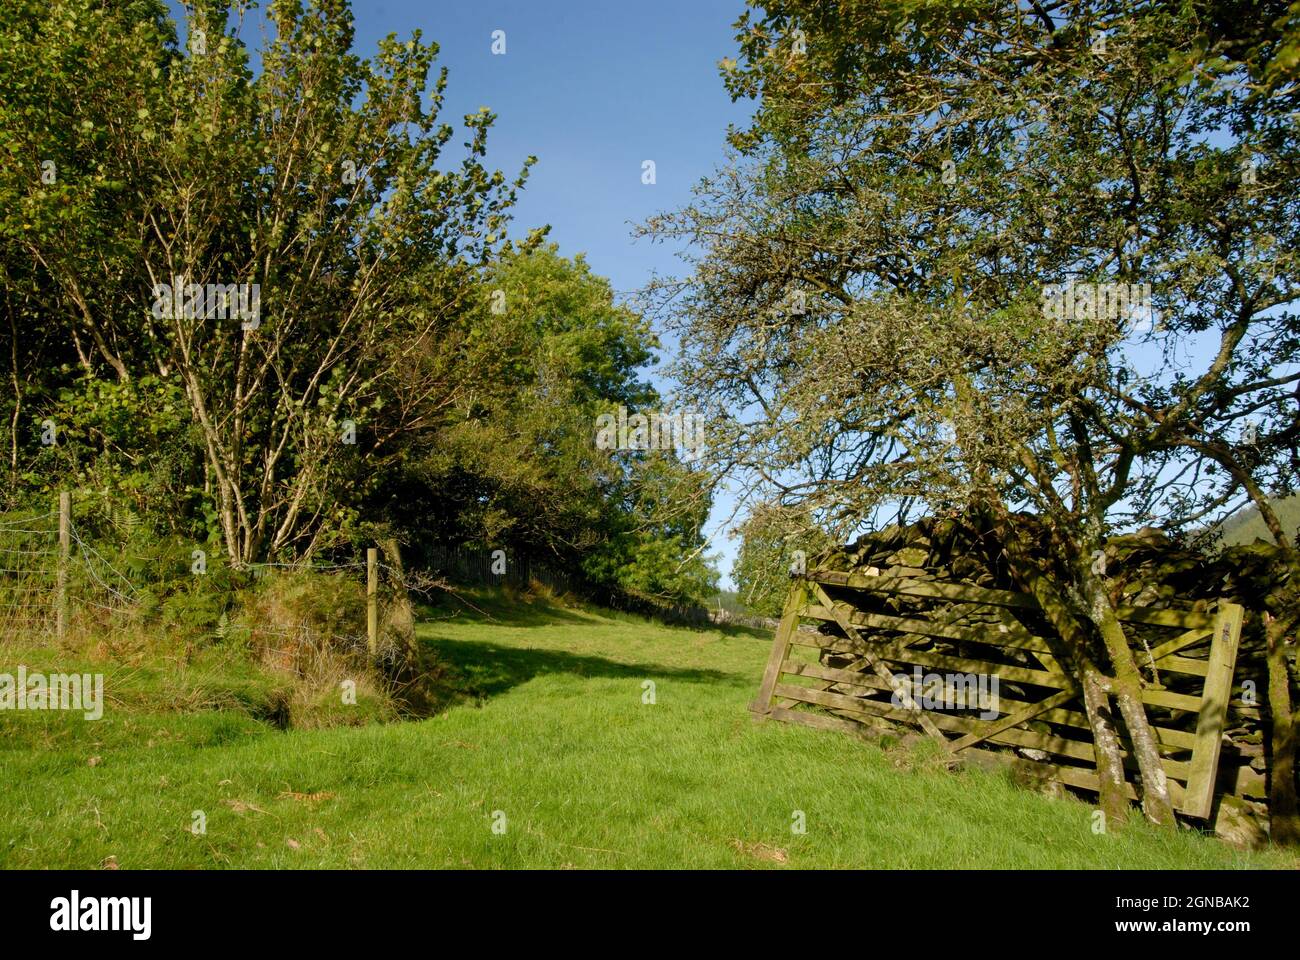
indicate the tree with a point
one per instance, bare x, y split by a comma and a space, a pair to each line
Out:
774, 547
286, 249
926, 276
75, 79
546, 352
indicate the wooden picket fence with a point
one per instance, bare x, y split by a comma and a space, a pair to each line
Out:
893, 622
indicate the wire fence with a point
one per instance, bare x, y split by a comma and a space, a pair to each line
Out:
83, 571
74, 570
28, 572
80, 572
49, 567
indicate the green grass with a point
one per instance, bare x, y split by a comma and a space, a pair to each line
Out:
552, 731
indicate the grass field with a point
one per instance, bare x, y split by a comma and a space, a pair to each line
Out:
551, 740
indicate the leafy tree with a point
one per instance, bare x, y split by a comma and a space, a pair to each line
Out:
264, 309
321, 182
775, 546
878, 317
75, 79
545, 353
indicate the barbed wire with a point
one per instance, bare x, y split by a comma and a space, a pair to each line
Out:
6, 525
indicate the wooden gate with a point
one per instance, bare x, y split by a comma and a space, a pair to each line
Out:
882, 628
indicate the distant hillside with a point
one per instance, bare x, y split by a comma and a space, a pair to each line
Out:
1245, 526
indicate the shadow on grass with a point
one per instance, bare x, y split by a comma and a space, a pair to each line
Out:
480, 605
488, 669
484, 606
739, 630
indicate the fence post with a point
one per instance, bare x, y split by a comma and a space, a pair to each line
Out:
1212, 720
372, 599
65, 549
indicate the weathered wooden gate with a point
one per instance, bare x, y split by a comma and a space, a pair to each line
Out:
882, 627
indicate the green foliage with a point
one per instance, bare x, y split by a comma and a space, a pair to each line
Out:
774, 544
516, 466
379, 387
133, 438
1261, 35
866, 325
134, 162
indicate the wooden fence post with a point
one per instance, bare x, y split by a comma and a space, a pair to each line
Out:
794, 602
1212, 720
61, 577
372, 599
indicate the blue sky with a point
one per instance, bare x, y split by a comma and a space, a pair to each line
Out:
592, 88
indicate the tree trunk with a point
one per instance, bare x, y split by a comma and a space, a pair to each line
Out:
1105, 743
1126, 686
1075, 658
400, 614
